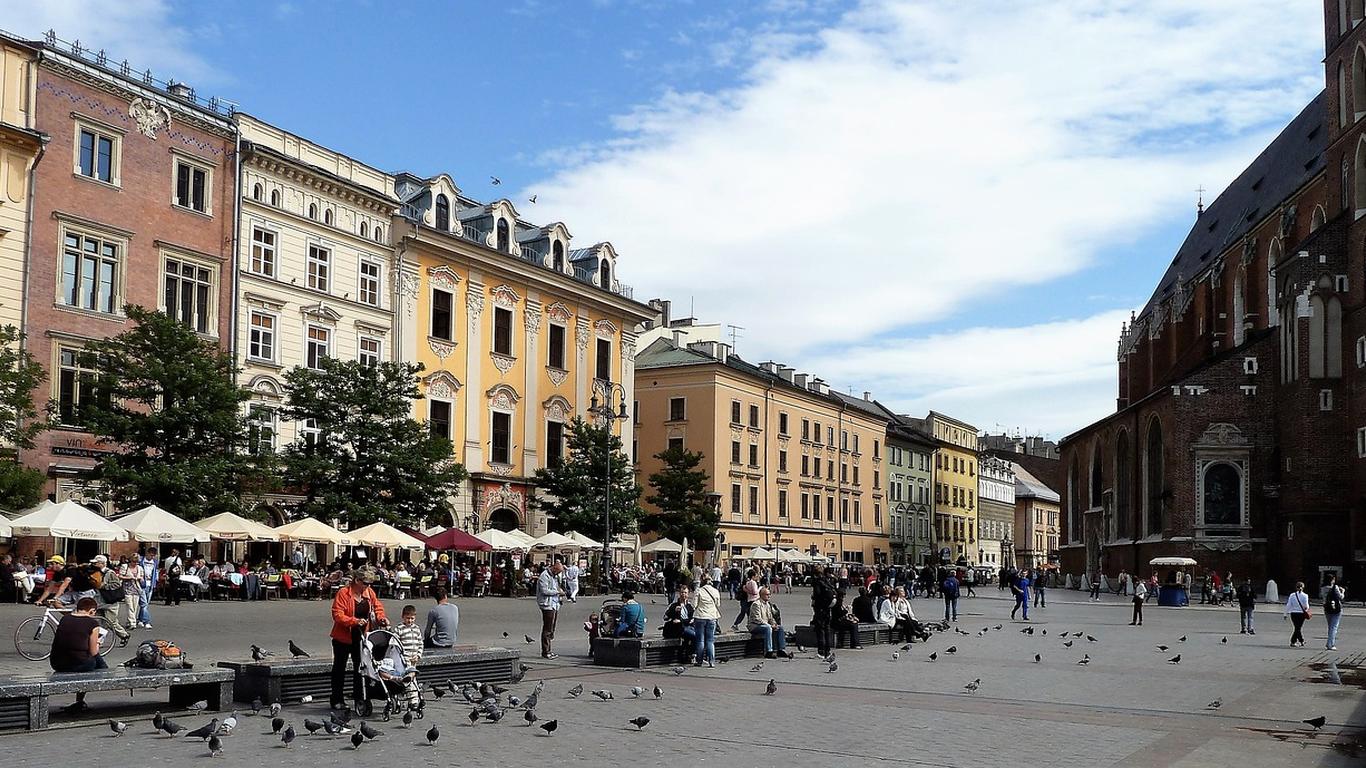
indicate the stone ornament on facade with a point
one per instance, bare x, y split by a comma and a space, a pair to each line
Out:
502, 470
605, 328
502, 398
557, 408
531, 319
504, 296
442, 349
504, 496
1222, 434
408, 284
442, 385
559, 313
443, 277
149, 116
474, 304
502, 362
556, 375
581, 336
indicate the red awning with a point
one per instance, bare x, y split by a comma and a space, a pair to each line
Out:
452, 538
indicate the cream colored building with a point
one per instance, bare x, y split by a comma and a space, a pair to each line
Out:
315, 266
1036, 519
20, 145
517, 330
787, 457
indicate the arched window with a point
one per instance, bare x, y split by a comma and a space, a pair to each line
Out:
1358, 108
1239, 307
605, 274
1154, 479
1343, 23
1222, 492
364, 229
503, 240
327, 216
1356, 10
275, 197
1325, 332
1359, 198
443, 213
1073, 503
1318, 219
1344, 97
1097, 477
1122, 493
313, 211
256, 192
1273, 257
379, 234
557, 256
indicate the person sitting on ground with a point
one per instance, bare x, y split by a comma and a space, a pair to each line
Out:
443, 621
678, 618
631, 622
765, 622
76, 645
844, 622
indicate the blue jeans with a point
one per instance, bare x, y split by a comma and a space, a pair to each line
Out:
950, 609
1245, 614
744, 611
706, 639
773, 636
144, 610
1333, 620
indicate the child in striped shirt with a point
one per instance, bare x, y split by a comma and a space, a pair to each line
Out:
410, 636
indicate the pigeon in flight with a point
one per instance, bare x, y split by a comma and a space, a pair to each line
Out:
1315, 722
532, 200
432, 735
550, 726
118, 727
495, 181
772, 688
1175, 659
640, 722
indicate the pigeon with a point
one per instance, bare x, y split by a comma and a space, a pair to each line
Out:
256, 705
1224, 639
1163, 648
259, 654
603, 694
408, 719
495, 715
801, 648
1037, 658
1067, 644
495, 181
215, 746
636, 691
772, 688
118, 727
951, 649
1086, 659
528, 639
973, 686
204, 731
1217, 703
199, 706
432, 735
438, 693
540, 686
1175, 659
157, 720
640, 722
1181, 639
335, 729
905, 647
530, 716
288, 737
757, 667
997, 627
1027, 631
514, 702
341, 719
450, 686
531, 700
576, 691
474, 716
357, 739
659, 692
295, 650
550, 726
532, 200
1315, 722
1091, 639
934, 656
368, 732
1078, 633
680, 670
277, 724
506, 635
834, 665
228, 724
170, 727
896, 655
313, 726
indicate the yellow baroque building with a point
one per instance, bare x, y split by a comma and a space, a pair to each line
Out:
516, 330
20, 146
955, 486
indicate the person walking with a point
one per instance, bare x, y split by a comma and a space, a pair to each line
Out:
355, 610
1140, 594
1040, 599
130, 573
1297, 608
1333, 595
823, 600
949, 589
175, 568
571, 581
1247, 601
746, 595
150, 569
1123, 583
706, 615
1021, 595
548, 600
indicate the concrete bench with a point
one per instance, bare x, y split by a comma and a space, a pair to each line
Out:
868, 634
24, 698
289, 680
642, 652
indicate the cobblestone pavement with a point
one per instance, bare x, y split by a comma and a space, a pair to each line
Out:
1127, 707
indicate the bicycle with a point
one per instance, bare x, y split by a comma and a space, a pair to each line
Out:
33, 636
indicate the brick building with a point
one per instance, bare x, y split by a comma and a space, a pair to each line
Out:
1237, 438
134, 204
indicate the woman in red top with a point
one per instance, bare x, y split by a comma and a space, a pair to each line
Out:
355, 609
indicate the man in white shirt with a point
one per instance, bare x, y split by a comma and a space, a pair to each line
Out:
548, 600
571, 581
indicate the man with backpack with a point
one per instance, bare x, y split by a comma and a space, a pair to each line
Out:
949, 589
1247, 601
1333, 595
174, 569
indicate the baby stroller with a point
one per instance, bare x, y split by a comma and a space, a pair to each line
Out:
385, 676
604, 622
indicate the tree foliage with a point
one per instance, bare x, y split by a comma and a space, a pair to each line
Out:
166, 401
21, 487
20, 420
574, 493
369, 459
680, 493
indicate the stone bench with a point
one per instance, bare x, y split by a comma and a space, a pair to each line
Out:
642, 652
24, 698
289, 680
868, 634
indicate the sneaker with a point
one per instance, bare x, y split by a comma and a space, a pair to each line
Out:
1252, 631
551, 656
1242, 631
1332, 647
711, 665
146, 626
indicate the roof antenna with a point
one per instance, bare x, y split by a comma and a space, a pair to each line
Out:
1199, 201
734, 335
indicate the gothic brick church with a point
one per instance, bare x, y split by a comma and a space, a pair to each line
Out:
1239, 437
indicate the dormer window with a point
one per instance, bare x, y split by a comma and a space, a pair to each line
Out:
443, 213
605, 275
503, 239
557, 256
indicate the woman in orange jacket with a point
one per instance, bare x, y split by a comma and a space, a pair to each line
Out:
355, 609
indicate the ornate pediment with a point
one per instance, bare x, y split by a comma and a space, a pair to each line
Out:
558, 313
505, 296
503, 397
442, 385
443, 277
557, 408
265, 386
605, 328
321, 311
1222, 435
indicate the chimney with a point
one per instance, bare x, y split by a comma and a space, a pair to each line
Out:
707, 348
665, 309
678, 338
800, 379
180, 91
769, 366
819, 385
722, 352
785, 373
868, 396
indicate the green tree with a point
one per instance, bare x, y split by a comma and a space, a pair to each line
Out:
21, 421
364, 457
574, 492
680, 493
166, 401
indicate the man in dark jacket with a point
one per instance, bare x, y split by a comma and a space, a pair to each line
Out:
949, 589
1247, 601
822, 601
863, 607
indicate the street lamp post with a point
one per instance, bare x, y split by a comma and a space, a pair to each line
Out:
605, 412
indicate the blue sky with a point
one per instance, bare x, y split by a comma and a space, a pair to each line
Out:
953, 209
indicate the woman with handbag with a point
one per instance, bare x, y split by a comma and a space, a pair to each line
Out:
1297, 608
1333, 595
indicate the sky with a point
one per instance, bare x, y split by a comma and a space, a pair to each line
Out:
953, 205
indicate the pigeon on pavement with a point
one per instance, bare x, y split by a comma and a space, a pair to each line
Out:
357, 739
635, 692
1315, 722
204, 731
474, 716
772, 688
215, 746
659, 692
277, 724
576, 691
118, 727
550, 726
1175, 659
259, 654
313, 726
530, 716
640, 722
1085, 659
432, 735
678, 670
288, 738
170, 727
1217, 703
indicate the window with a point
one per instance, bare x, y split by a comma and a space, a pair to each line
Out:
1325, 399
754, 499
369, 283
557, 256
90, 273
443, 213
675, 443
830, 509
806, 507
782, 503
327, 216
735, 411
275, 197
310, 434
379, 234
735, 499
816, 467
502, 330
442, 326
439, 418
187, 293
753, 455
504, 243
735, 451
782, 423
635, 412
191, 187
844, 473
877, 477
319, 346
319, 267
604, 360
754, 416
502, 438
876, 449
554, 443
844, 511
818, 433
858, 514
830, 470
313, 211
261, 430
829, 435
256, 192
844, 440
263, 252
75, 386
369, 350
1361, 442
605, 275
364, 229
782, 461
806, 465
261, 337
557, 336
1222, 496
806, 429
98, 156
677, 408
1361, 351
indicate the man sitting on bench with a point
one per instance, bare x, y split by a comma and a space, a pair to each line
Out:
76, 645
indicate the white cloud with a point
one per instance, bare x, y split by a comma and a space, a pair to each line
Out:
914, 158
